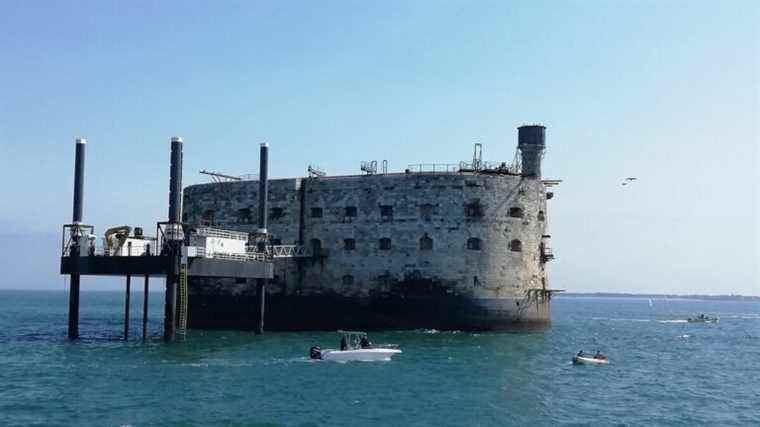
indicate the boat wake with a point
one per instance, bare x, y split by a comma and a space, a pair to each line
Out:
618, 319
745, 316
674, 321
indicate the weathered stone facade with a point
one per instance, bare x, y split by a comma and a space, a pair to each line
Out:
460, 249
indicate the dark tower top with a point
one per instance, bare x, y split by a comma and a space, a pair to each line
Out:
531, 140
175, 181
263, 186
76, 216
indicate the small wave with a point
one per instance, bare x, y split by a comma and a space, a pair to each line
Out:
344, 362
684, 336
303, 359
741, 316
196, 365
620, 319
436, 331
386, 345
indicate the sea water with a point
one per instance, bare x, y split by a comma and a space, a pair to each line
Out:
663, 371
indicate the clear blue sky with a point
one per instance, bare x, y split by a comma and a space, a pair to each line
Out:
662, 90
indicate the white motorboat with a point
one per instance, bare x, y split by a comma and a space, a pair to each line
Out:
355, 346
587, 359
361, 355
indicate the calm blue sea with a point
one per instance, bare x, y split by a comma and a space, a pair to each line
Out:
662, 371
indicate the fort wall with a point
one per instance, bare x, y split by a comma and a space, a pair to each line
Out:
467, 235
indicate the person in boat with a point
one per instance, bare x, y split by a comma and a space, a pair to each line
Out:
599, 355
343, 344
365, 343
580, 353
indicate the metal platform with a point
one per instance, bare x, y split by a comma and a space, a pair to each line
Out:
159, 266
169, 254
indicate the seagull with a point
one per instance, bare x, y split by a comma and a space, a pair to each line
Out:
629, 180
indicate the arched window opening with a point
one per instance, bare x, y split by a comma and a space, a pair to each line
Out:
426, 243
474, 244
276, 213
385, 244
244, 216
516, 212
316, 212
209, 217
350, 211
426, 212
515, 246
316, 247
541, 216
473, 209
386, 212
349, 244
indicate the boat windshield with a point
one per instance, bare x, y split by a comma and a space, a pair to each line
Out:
353, 338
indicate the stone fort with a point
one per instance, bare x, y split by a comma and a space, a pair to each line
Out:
462, 248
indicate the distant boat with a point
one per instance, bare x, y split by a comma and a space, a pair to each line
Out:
703, 318
650, 302
586, 359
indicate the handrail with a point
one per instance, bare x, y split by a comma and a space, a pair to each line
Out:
286, 251
250, 256
433, 168
218, 232
70, 232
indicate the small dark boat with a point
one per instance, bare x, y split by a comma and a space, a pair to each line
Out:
703, 318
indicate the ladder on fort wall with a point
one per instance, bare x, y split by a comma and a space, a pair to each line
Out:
182, 301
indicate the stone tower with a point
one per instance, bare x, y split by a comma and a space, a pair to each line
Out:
531, 140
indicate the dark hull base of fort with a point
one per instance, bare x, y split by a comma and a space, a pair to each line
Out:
330, 313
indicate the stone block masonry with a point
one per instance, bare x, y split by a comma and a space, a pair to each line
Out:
461, 236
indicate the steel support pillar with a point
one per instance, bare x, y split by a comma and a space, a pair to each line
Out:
126, 307
76, 216
145, 310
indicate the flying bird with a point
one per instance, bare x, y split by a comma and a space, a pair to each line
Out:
629, 180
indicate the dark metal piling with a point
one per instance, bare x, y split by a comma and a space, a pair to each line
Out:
74, 253
263, 187
175, 181
145, 310
173, 239
126, 297
126, 308
262, 231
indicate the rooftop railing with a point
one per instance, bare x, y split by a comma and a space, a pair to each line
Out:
433, 168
